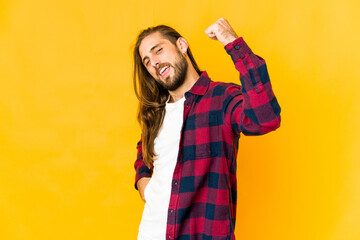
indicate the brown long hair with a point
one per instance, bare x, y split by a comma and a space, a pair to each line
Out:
152, 96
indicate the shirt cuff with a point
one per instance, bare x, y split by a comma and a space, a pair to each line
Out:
237, 49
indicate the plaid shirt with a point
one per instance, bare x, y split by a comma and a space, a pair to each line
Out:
204, 191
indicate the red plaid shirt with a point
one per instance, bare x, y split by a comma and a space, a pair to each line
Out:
204, 191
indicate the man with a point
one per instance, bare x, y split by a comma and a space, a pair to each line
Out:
186, 162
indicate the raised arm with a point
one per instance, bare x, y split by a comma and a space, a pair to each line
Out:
253, 108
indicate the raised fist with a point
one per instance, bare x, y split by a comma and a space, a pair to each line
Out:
221, 31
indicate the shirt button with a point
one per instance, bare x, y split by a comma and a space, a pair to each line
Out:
175, 182
237, 47
171, 210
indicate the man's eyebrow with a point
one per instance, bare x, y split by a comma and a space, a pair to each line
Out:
152, 49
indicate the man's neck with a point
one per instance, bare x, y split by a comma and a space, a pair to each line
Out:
191, 77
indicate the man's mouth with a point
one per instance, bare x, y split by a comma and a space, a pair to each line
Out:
164, 71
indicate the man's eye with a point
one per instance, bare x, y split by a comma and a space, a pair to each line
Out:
159, 50
147, 63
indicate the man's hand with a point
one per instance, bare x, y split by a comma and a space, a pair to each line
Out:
222, 31
141, 185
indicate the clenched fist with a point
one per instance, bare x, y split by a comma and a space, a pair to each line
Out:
222, 31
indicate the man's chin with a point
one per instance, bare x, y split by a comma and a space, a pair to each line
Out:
170, 87
167, 83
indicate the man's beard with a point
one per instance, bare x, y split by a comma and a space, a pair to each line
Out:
180, 69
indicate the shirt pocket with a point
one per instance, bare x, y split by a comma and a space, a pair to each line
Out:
207, 136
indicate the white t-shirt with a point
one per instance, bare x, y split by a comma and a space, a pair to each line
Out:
157, 192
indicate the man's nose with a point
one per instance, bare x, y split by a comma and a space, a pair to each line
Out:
155, 62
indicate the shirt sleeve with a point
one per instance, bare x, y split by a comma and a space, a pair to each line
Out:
253, 108
141, 169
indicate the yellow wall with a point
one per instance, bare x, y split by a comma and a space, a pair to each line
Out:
68, 127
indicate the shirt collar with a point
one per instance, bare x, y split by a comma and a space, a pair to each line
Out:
201, 86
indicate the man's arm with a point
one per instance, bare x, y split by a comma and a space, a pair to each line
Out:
254, 110
143, 173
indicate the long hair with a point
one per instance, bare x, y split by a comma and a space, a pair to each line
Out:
152, 96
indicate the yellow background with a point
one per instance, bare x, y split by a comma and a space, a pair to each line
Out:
68, 127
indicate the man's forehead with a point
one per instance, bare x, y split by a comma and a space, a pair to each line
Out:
150, 41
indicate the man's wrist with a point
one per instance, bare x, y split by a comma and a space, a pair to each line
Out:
139, 178
229, 40
141, 181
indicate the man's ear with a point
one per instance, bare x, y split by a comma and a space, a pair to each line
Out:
182, 45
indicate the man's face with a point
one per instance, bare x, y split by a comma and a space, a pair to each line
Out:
163, 61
